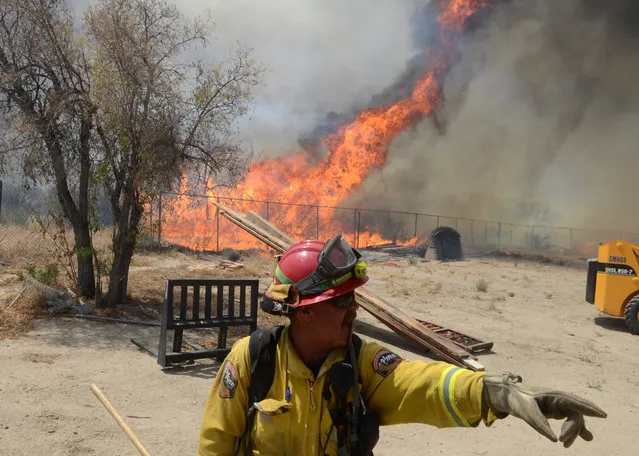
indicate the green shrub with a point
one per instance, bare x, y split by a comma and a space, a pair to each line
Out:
47, 275
481, 285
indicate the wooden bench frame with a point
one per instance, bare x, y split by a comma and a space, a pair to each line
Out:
214, 315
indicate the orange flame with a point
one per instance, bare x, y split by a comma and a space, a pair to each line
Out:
353, 152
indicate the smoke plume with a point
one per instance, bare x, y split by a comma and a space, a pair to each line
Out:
539, 117
322, 57
538, 126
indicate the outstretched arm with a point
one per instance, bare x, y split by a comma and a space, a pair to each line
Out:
434, 393
444, 395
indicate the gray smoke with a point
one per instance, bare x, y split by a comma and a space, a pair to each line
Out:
538, 125
322, 56
540, 122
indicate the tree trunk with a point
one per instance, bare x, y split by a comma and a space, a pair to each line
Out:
118, 281
78, 215
124, 243
86, 275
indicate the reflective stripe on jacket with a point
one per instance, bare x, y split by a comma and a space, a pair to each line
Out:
398, 391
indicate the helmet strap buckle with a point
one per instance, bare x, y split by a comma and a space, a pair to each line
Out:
282, 307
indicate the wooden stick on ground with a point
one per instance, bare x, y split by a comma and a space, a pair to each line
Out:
17, 297
125, 427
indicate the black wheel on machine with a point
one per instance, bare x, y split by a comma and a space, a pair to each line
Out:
632, 315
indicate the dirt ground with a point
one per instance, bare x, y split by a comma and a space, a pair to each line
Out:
535, 314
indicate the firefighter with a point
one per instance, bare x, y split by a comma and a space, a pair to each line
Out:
330, 390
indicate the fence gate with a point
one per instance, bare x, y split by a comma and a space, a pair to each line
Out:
205, 304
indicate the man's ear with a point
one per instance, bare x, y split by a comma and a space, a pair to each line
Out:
304, 314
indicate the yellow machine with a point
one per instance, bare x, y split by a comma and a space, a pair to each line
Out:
612, 284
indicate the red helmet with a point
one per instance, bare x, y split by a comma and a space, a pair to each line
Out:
300, 261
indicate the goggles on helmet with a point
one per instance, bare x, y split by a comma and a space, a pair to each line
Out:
337, 262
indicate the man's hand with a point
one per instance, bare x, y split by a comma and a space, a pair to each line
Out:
506, 397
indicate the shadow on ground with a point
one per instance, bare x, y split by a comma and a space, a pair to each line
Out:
199, 369
612, 324
71, 332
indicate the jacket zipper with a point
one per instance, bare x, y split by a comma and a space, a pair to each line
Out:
313, 406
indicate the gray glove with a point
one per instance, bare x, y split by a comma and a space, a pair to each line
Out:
505, 398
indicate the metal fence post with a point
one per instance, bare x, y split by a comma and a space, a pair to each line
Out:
472, 233
217, 227
160, 219
151, 218
359, 221
0, 201
485, 233
570, 239
317, 221
499, 234
532, 238
416, 225
267, 211
437, 222
355, 227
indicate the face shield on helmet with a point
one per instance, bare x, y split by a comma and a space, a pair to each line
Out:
337, 263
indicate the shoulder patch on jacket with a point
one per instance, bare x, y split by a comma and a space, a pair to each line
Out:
229, 380
386, 362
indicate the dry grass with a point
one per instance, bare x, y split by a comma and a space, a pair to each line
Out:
492, 307
20, 246
146, 283
23, 248
481, 285
17, 320
597, 384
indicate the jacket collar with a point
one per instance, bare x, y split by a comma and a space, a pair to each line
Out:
295, 366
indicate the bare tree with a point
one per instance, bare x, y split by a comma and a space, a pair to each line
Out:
44, 87
119, 107
158, 117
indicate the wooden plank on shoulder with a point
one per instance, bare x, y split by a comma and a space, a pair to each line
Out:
251, 228
260, 221
401, 323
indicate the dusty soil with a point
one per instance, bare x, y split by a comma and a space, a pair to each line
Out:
535, 314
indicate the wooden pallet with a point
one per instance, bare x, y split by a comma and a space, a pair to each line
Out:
465, 341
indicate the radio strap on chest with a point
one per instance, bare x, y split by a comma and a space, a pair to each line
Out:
262, 353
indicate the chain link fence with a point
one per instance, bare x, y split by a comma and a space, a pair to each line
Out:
20, 209
31, 222
193, 221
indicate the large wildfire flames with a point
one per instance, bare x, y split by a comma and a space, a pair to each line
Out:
352, 153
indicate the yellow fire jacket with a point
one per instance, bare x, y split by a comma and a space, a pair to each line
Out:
397, 390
